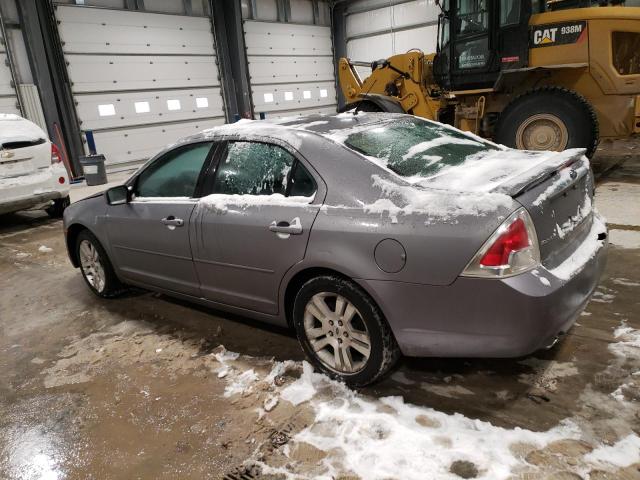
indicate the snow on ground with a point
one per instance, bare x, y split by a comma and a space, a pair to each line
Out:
621, 454
628, 342
45, 249
380, 438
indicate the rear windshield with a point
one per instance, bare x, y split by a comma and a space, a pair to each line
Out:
415, 147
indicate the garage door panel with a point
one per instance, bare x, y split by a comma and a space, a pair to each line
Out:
300, 95
97, 73
9, 105
424, 38
135, 108
331, 110
267, 38
5, 76
139, 144
85, 30
265, 70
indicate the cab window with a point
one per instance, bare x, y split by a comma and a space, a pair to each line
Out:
175, 174
626, 52
509, 12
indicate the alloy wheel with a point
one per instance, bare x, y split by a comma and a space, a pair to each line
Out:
336, 332
91, 265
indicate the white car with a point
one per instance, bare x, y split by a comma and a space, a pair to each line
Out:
32, 174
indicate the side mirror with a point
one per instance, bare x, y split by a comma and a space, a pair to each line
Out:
118, 195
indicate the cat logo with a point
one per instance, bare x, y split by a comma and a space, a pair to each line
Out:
544, 37
558, 34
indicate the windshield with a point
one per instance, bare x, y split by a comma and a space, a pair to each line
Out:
415, 147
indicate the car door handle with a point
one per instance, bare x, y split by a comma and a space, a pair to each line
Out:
293, 228
172, 221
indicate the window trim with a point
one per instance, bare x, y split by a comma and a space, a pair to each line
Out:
212, 173
133, 181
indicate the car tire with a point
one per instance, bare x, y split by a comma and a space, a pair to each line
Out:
352, 321
57, 208
96, 267
527, 120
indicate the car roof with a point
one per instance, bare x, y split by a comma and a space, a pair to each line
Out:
293, 127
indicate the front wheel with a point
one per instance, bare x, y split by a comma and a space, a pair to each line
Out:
95, 266
343, 332
548, 118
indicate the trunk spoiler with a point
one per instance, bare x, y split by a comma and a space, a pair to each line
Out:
524, 181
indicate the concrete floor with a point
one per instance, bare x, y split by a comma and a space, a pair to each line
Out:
138, 387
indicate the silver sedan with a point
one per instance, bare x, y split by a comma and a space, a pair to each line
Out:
372, 235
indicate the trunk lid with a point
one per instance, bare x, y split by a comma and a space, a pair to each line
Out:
556, 188
24, 147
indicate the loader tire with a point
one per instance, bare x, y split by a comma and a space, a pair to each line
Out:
548, 118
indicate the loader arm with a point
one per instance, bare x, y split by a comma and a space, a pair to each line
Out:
400, 77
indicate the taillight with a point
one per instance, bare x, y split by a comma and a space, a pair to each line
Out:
511, 249
55, 154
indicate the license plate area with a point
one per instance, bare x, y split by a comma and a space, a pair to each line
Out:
16, 168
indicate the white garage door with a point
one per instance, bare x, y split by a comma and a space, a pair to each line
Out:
376, 30
291, 68
140, 80
8, 99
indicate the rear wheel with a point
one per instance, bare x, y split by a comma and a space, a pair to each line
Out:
56, 209
343, 332
550, 118
95, 266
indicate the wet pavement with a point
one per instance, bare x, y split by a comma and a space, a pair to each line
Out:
139, 387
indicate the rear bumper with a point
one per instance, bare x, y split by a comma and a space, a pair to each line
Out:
29, 191
476, 317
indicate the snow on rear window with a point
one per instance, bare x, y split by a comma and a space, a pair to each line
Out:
414, 147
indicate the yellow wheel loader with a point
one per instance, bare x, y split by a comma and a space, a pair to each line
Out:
528, 74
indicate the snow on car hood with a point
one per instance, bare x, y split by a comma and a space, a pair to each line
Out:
499, 171
17, 129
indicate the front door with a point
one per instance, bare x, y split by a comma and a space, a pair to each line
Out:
254, 226
150, 235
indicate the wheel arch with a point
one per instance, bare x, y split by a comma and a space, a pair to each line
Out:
300, 277
73, 231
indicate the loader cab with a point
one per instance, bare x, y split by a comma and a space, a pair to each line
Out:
479, 38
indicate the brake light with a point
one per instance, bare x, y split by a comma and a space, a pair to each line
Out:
515, 238
55, 154
511, 249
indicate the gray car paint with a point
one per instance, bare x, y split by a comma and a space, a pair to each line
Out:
430, 308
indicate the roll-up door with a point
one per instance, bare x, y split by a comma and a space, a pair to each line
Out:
140, 80
291, 68
378, 29
8, 98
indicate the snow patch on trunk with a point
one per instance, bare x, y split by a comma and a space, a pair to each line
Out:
585, 252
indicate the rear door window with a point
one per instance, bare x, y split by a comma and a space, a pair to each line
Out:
255, 168
414, 147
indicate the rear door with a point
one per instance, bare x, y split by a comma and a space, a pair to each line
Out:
149, 235
255, 224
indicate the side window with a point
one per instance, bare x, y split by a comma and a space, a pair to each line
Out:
302, 183
473, 17
252, 168
174, 174
626, 52
509, 12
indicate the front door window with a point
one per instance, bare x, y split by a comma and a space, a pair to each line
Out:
175, 174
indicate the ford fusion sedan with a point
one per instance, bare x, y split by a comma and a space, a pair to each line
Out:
31, 171
372, 235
